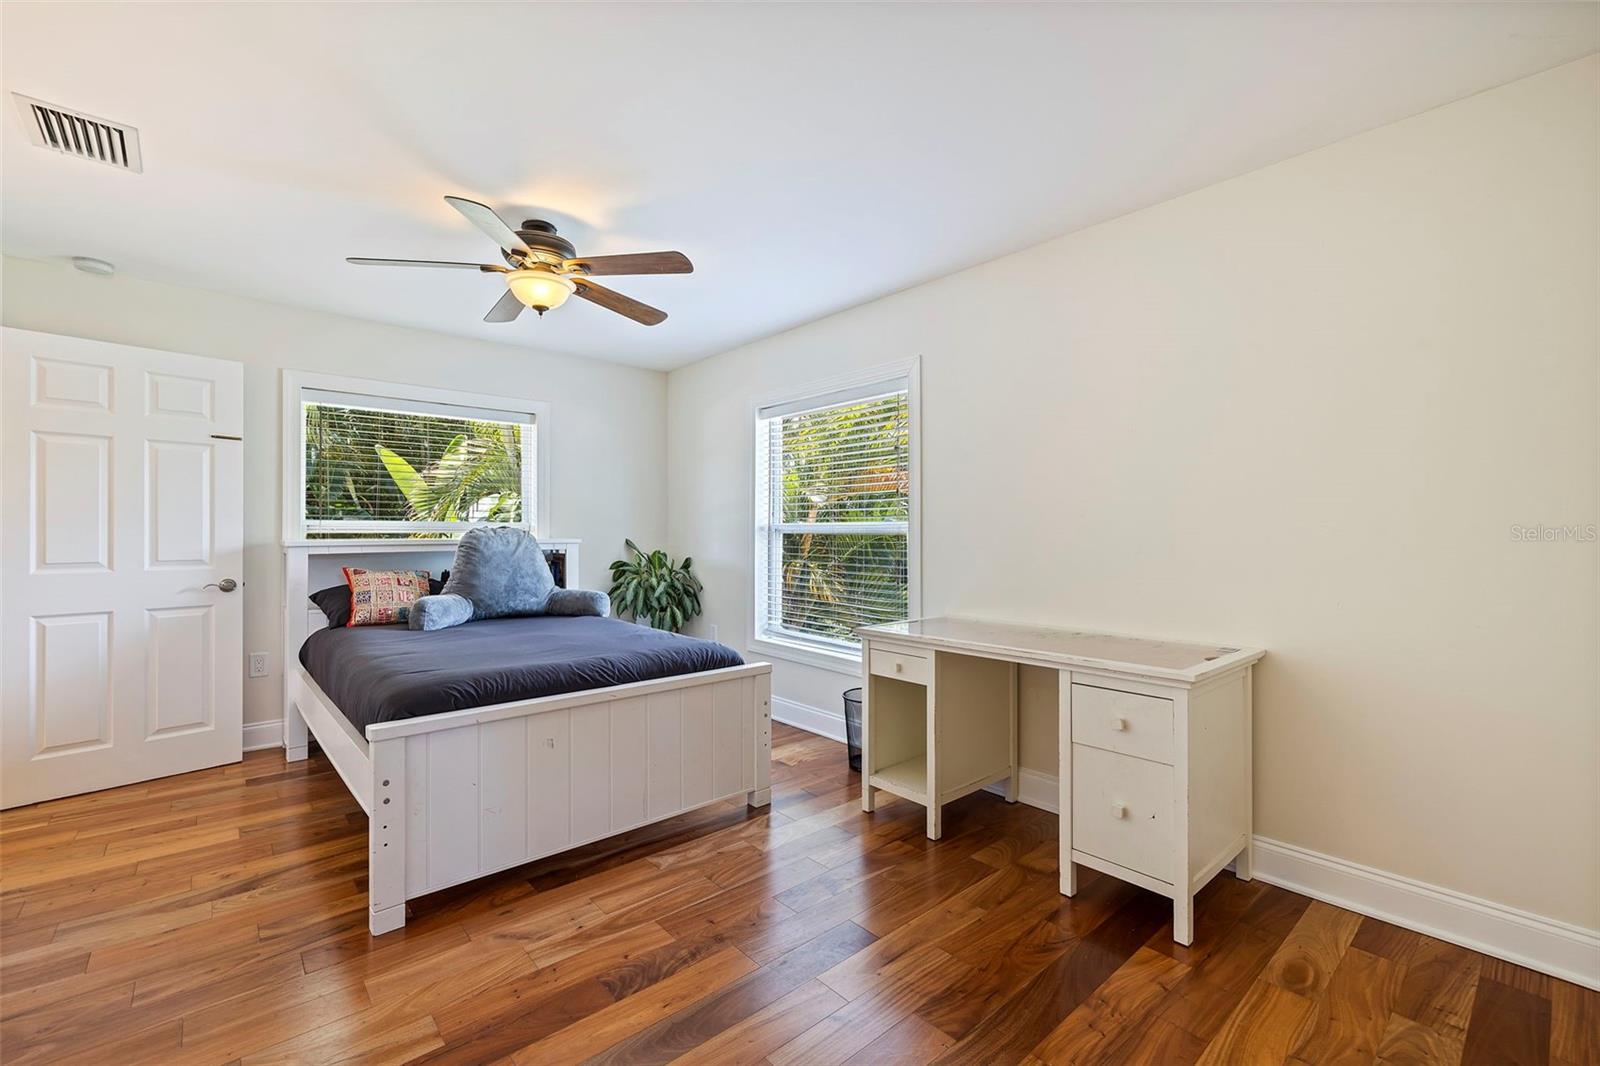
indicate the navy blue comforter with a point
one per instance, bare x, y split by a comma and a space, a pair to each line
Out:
386, 673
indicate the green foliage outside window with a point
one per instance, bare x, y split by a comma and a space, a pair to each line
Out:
390, 466
843, 464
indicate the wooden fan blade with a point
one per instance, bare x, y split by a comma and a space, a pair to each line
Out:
639, 263
505, 309
622, 305
487, 268
484, 218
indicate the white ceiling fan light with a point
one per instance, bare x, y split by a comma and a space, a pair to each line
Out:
540, 289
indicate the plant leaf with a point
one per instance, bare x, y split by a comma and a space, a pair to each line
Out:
405, 477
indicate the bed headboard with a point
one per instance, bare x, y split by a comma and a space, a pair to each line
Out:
316, 564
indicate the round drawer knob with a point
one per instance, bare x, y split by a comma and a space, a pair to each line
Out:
1119, 724
1118, 811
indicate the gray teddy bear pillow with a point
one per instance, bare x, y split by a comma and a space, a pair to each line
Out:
501, 572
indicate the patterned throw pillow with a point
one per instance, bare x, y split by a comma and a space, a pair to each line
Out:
383, 597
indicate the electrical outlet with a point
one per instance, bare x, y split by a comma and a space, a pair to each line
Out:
713, 631
258, 664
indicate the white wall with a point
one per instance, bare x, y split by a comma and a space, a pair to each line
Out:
1300, 409
605, 439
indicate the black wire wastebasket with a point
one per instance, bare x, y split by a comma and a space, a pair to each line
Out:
852, 726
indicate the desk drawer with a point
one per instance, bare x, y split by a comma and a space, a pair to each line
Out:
1124, 722
1122, 810
902, 665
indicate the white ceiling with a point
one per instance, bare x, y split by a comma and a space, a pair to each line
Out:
806, 157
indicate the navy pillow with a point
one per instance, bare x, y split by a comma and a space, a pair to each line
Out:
334, 601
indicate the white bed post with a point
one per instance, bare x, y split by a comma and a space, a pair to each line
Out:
761, 795
296, 740
386, 837
296, 563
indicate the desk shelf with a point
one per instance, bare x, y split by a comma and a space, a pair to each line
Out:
907, 779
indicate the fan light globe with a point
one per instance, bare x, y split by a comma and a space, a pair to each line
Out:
540, 289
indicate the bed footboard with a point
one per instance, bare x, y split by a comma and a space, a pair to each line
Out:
462, 795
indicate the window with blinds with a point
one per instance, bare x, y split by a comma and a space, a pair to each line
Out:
833, 515
377, 467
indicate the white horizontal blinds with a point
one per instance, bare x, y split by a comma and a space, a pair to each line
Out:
837, 494
834, 582
376, 467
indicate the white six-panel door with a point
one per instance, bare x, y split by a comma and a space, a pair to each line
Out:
120, 653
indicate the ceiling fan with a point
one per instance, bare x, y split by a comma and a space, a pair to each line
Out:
544, 269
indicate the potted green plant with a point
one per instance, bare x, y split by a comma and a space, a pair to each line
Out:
654, 589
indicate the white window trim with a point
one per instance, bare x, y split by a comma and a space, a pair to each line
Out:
801, 397
298, 382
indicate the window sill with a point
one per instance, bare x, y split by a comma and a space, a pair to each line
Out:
795, 652
403, 543
400, 545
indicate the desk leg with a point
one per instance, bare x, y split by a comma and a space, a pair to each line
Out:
931, 747
1182, 863
1013, 783
1069, 873
868, 802
1244, 865
1183, 919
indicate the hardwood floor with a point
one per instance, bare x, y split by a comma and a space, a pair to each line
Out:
220, 917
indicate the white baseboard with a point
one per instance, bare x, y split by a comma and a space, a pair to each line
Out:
828, 724
1569, 952
259, 735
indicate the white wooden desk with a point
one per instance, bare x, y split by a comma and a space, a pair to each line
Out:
1154, 752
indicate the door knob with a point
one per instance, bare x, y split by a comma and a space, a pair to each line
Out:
227, 584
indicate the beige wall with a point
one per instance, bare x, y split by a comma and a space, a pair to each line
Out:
605, 441
1300, 409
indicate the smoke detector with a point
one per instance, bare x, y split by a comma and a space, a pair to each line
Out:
99, 140
90, 265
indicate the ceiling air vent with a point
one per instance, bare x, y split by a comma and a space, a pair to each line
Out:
72, 132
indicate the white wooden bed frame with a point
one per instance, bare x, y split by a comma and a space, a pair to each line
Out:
456, 796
